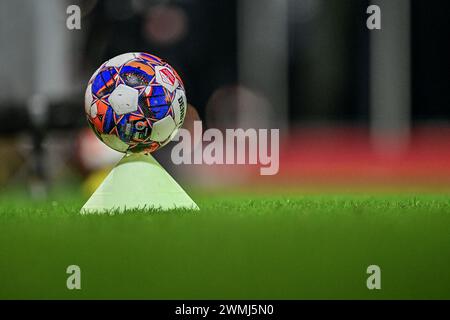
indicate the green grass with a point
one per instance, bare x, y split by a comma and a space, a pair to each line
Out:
239, 246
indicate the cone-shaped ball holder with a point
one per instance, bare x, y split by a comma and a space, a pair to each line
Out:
138, 181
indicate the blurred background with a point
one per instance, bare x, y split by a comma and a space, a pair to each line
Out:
355, 107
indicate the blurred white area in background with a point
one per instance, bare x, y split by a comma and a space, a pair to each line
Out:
36, 55
390, 78
52, 43
16, 77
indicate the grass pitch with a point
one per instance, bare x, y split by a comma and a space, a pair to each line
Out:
239, 246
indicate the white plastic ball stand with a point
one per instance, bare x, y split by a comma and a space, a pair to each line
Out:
138, 181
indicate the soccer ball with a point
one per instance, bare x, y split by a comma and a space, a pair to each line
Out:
135, 102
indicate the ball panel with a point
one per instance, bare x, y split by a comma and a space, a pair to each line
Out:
141, 65
124, 99
150, 58
121, 59
88, 99
114, 142
93, 110
134, 77
105, 82
166, 78
179, 106
162, 129
99, 118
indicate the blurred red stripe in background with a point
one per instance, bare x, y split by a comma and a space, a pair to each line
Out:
347, 155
